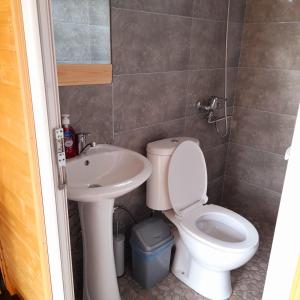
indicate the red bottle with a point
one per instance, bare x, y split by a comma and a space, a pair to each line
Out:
69, 137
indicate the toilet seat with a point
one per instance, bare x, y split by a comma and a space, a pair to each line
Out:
187, 177
220, 228
211, 224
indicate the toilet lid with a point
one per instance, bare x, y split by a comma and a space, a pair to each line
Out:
187, 180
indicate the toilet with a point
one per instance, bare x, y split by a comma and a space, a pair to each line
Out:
210, 240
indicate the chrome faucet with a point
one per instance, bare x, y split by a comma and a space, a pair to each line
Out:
213, 104
82, 142
211, 109
92, 145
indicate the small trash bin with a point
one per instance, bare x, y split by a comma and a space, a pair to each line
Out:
151, 243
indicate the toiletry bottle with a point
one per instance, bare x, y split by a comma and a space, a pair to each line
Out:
69, 137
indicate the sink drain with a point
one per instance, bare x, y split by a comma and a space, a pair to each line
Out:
94, 185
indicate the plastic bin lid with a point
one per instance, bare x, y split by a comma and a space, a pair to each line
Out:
150, 234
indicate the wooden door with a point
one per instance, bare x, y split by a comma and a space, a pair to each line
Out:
295, 292
23, 245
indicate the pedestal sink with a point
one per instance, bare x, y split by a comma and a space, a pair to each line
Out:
95, 179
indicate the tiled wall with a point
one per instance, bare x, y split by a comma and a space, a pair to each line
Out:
80, 26
166, 54
266, 103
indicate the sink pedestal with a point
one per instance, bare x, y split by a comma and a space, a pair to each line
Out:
99, 273
95, 178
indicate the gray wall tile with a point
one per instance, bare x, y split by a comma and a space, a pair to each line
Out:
271, 90
215, 190
262, 130
217, 9
266, 101
196, 126
173, 7
90, 109
141, 100
209, 82
272, 11
237, 10
137, 139
207, 44
210, 9
256, 167
251, 201
234, 42
201, 85
232, 85
215, 161
271, 45
135, 201
144, 42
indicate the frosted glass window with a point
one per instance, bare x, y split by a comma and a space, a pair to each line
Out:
82, 31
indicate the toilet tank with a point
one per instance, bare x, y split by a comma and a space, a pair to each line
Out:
159, 154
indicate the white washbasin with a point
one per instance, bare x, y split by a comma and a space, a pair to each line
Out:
105, 172
95, 179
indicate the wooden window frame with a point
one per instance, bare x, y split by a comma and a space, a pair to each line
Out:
84, 74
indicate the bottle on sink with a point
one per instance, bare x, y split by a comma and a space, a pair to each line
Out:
69, 137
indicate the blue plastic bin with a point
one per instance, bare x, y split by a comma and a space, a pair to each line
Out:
151, 243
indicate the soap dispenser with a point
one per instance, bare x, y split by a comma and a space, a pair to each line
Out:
69, 137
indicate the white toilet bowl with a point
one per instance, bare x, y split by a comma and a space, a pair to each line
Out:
211, 240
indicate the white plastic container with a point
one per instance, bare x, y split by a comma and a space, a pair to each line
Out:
119, 241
